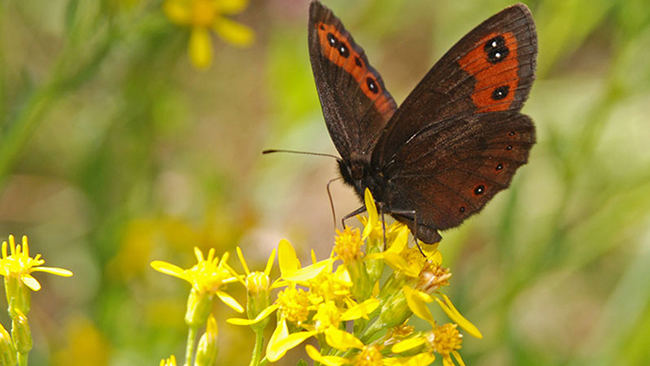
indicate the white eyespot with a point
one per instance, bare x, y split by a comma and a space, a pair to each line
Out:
494, 44
497, 55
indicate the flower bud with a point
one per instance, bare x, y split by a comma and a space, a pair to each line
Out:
206, 352
257, 286
18, 296
199, 306
21, 333
7, 350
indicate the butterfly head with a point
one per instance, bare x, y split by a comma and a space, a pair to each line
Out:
358, 174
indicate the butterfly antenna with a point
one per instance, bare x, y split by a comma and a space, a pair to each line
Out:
271, 151
329, 194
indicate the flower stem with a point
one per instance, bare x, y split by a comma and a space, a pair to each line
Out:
22, 359
191, 342
259, 346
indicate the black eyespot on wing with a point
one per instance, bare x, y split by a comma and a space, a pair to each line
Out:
500, 92
357, 61
496, 49
372, 85
332, 39
343, 50
480, 189
499, 166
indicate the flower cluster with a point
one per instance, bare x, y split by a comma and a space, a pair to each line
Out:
17, 266
356, 304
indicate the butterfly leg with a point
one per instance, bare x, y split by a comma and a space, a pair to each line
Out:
383, 223
329, 194
412, 215
352, 214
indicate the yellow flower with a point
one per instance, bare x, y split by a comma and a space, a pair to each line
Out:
373, 227
446, 341
207, 277
294, 304
204, 16
258, 286
85, 345
369, 356
18, 264
347, 245
171, 361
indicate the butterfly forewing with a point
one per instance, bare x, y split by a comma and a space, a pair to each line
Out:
491, 69
355, 102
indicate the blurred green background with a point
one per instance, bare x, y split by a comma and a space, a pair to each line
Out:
115, 151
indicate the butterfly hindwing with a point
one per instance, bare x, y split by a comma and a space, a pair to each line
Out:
478, 157
355, 102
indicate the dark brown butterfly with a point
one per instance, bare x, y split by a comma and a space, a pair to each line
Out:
457, 139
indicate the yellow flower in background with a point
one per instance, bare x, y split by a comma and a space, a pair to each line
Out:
18, 264
171, 361
84, 345
208, 276
204, 17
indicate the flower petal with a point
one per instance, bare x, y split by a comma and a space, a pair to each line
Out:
309, 272
418, 304
457, 317
178, 11
287, 258
373, 216
233, 32
30, 282
408, 344
341, 339
261, 316
283, 345
54, 270
325, 360
168, 269
232, 6
230, 301
281, 331
360, 310
269, 263
458, 358
200, 48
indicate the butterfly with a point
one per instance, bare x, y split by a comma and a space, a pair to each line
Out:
457, 139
